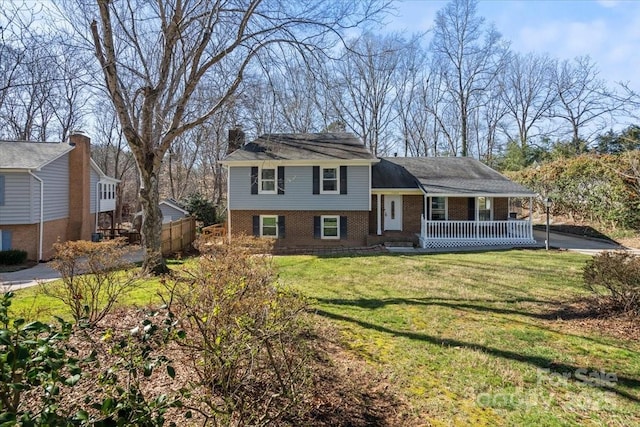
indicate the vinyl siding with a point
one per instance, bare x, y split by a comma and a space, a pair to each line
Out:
18, 206
94, 178
298, 194
169, 212
56, 188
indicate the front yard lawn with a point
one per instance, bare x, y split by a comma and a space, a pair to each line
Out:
494, 338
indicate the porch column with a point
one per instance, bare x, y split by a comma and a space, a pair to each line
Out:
379, 213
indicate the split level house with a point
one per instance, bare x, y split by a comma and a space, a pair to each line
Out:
50, 192
328, 189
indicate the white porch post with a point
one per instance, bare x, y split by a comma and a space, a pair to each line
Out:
379, 213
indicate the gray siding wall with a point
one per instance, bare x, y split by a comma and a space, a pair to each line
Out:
93, 178
56, 188
21, 198
299, 191
168, 211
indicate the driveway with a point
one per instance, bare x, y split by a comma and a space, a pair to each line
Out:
42, 272
577, 243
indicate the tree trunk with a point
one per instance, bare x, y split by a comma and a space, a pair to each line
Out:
151, 230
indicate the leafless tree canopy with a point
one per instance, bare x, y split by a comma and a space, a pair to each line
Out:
159, 83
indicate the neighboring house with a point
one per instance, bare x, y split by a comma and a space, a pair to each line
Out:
50, 192
172, 211
314, 190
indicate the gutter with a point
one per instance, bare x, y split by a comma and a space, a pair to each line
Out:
41, 228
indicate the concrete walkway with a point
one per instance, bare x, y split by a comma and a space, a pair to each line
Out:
41, 273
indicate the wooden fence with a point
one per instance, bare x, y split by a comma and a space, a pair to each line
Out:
177, 236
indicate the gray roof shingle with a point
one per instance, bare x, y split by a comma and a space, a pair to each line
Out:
30, 155
444, 175
303, 146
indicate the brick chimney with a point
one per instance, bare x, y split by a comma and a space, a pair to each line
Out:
236, 139
80, 223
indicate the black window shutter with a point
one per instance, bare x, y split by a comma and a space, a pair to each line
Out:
343, 227
343, 180
281, 227
471, 203
317, 233
316, 180
254, 180
256, 225
280, 179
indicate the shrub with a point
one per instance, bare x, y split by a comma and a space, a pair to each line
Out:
12, 257
615, 276
32, 359
94, 277
243, 333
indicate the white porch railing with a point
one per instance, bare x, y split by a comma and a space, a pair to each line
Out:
435, 234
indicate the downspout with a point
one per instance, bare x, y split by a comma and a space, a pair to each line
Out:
95, 228
40, 230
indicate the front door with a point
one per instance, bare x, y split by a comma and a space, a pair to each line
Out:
393, 212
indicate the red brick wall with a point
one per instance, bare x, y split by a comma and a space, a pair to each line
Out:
458, 209
500, 208
299, 227
80, 225
412, 207
26, 237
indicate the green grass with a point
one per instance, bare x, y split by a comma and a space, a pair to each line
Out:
466, 338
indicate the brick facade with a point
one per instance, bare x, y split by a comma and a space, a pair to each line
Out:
500, 208
458, 208
80, 225
26, 237
299, 232
412, 208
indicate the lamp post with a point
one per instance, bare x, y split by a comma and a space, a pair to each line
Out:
547, 205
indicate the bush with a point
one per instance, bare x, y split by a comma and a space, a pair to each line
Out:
32, 360
615, 277
243, 333
94, 277
12, 257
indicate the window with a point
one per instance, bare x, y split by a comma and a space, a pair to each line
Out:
268, 226
330, 227
484, 209
330, 180
438, 209
267, 181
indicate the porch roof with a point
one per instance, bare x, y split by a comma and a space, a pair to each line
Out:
444, 176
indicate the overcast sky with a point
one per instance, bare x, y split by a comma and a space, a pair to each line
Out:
606, 30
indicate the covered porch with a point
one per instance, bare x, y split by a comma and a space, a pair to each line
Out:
449, 203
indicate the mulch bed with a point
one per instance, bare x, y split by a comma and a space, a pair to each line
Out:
586, 314
341, 390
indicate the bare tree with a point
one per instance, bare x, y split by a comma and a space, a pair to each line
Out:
470, 53
363, 89
584, 101
154, 56
528, 94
